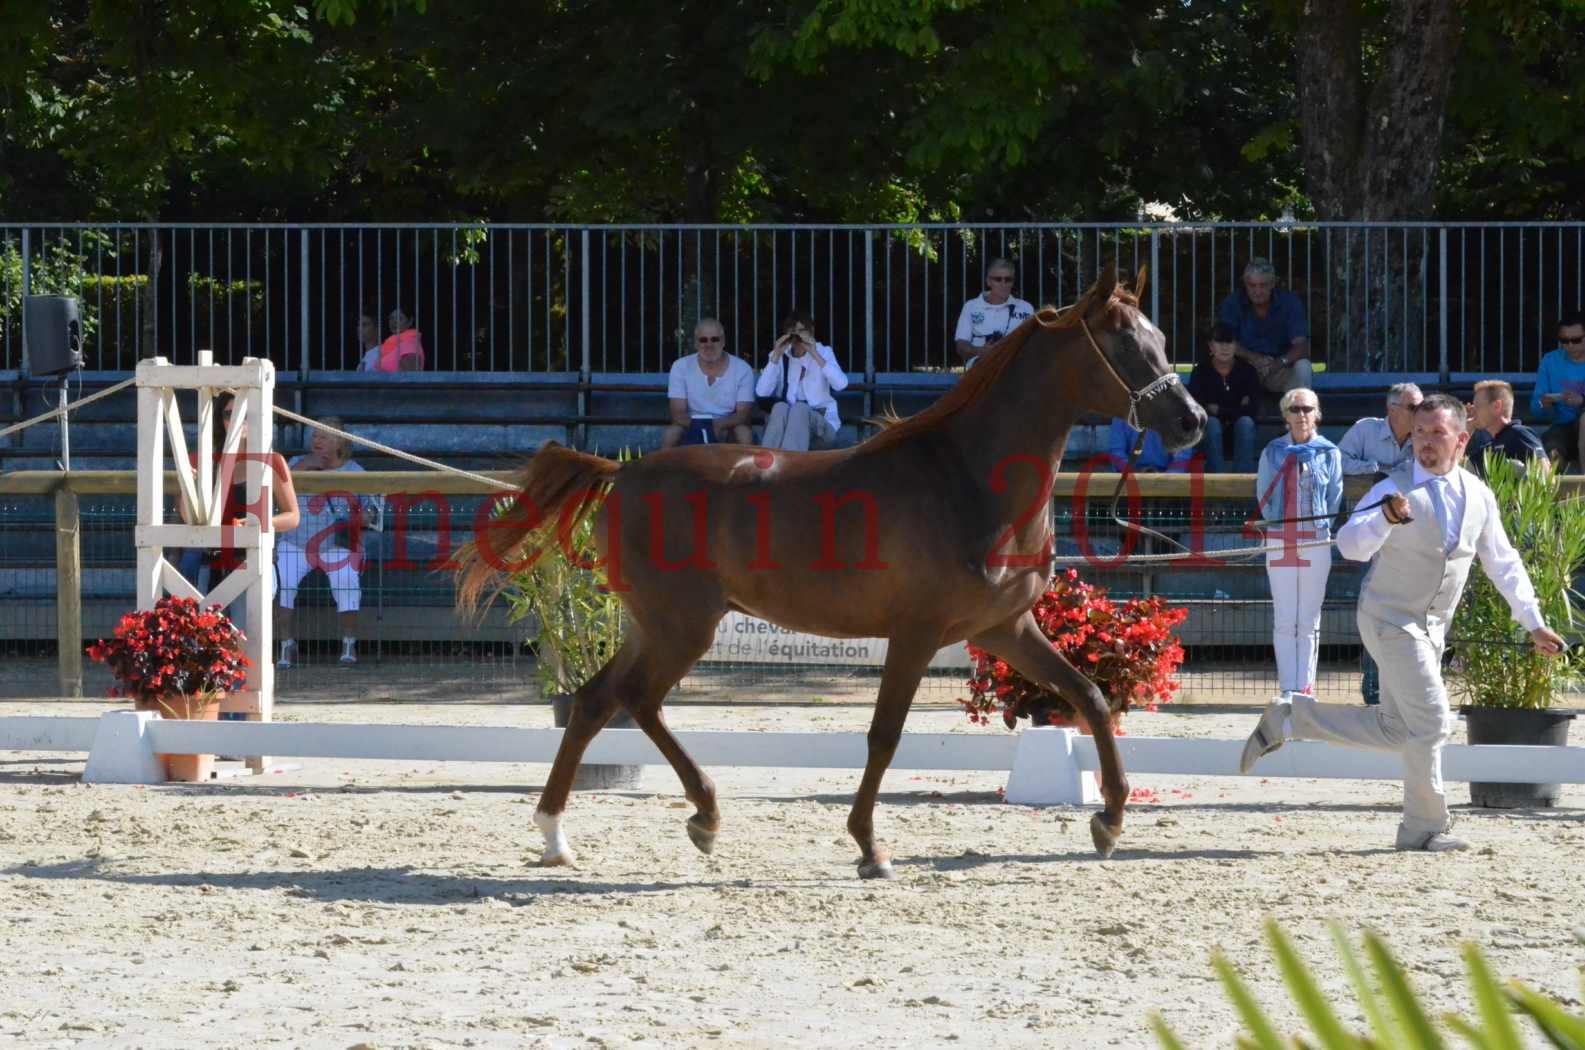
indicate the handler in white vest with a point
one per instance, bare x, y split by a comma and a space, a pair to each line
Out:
1436, 518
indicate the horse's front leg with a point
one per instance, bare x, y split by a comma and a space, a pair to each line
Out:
592, 707
906, 660
1021, 643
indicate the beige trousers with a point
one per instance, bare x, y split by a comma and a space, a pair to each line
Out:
1413, 719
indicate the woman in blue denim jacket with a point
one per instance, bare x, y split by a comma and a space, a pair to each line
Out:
1300, 475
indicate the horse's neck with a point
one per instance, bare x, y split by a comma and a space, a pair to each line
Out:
1028, 410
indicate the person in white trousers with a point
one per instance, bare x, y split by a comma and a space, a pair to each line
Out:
1425, 523
1300, 476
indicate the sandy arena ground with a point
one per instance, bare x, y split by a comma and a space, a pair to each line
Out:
361, 904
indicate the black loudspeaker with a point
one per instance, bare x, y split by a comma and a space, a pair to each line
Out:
54, 334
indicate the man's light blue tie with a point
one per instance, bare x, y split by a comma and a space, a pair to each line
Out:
1436, 488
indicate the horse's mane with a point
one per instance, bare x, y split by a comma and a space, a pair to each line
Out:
986, 371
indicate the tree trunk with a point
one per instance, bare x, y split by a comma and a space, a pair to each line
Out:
1371, 137
700, 209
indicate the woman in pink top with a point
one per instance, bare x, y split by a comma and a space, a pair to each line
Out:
403, 349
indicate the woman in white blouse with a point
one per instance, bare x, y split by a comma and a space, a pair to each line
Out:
802, 375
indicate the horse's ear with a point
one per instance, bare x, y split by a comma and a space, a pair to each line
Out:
1139, 282
1101, 291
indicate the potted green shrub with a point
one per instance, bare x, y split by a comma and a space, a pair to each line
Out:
575, 624
1508, 689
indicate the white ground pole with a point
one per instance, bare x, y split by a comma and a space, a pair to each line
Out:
203, 491
1048, 766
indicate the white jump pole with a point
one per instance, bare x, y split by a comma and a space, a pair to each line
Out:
203, 492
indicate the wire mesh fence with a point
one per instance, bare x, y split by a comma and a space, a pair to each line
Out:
410, 641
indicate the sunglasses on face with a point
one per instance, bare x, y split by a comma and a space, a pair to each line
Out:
1572, 342
1300, 410
1001, 280
710, 338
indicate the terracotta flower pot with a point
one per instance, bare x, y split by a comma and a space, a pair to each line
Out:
185, 768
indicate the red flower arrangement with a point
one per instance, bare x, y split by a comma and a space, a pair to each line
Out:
1126, 648
175, 656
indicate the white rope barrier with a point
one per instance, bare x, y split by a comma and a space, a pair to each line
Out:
398, 453
1221, 555
63, 409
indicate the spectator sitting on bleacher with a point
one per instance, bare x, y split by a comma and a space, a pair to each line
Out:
1229, 391
327, 539
1492, 426
403, 349
368, 344
1153, 458
990, 315
1379, 446
1560, 390
711, 393
801, 375
1273, 331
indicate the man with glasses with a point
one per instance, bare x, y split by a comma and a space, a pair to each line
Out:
991, 314
1379, 446
711, 393
1273, 331
1560, 391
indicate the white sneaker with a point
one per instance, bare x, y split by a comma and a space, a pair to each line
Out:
288, 653
349, 651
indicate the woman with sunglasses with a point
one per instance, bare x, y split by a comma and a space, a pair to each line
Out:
1299, 488
991, 314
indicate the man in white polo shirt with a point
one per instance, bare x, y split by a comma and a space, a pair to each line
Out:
990, 315
711, 392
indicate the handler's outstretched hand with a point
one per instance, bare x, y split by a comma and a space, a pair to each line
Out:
1396, 509
1547, 641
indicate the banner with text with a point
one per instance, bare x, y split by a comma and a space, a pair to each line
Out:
743, 639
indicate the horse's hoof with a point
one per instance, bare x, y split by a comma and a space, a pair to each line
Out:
702, 836
876, 869
557, 860
1104, 836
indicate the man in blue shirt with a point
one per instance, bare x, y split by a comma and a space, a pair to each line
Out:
1380, 445
1153, 458
1560, 390
1273, 331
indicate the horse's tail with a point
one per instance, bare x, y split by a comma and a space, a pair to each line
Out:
547, 488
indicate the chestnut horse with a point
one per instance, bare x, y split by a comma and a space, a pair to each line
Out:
935, 530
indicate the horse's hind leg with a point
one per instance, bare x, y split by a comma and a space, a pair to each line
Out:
638, 678
906, 660
662, 670
1022, 644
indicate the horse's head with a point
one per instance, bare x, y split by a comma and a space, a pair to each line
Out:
1133, 379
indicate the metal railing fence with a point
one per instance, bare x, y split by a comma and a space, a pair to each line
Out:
1435, 298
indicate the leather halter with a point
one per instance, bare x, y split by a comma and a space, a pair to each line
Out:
1135, 397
